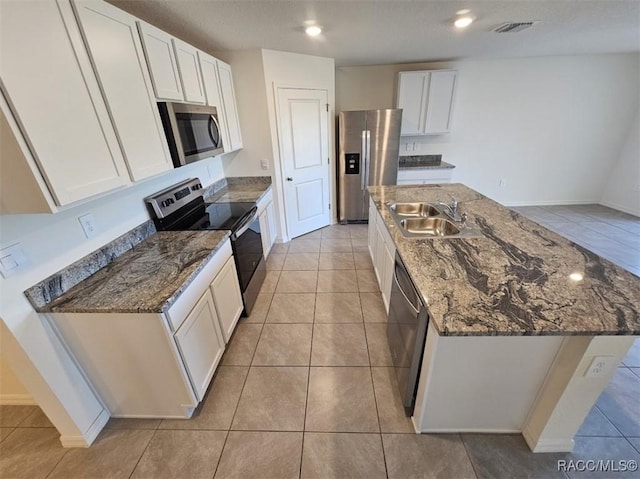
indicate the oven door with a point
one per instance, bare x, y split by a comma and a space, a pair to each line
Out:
247, 246
193, 131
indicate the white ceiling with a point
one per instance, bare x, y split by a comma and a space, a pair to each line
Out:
398, 31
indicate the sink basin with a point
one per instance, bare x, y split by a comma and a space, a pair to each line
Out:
429, 226
414, 209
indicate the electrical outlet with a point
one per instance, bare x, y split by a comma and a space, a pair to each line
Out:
12, 260
88, 225
502, 182
210, 171
599, 366
264, 164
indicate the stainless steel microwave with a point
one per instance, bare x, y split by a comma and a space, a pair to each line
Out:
193, 131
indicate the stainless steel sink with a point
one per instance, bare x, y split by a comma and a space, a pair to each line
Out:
425, 220
430, 226
414, 209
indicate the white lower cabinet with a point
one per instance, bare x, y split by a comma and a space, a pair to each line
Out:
158, 364
201, 343
382, 251
267, 216
228, 298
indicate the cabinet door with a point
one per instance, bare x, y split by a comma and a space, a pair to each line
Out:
228, 298
230, 107
440, 102
265, 233
387, 277
378, 263
189, 69
271, 212
201, 344
163, 66
372, 231
412, 98
211, 82
52, 89
126, 85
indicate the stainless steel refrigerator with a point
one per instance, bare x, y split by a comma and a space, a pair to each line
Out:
368, 156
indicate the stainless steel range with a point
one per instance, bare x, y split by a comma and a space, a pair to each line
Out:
182, 207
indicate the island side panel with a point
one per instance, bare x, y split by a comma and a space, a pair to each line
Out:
569, 393
481, 384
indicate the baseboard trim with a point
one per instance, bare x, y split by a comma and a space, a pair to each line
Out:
90, 435
547, 445
17, 400
615, 206
470, 430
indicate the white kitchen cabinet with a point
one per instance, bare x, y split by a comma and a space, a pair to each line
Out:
189, 70
228, 298
201, 342
211, 82
424, 176
383, 252
162, 62
116, 51
228, 97
158, 364
58, 119
266, 215
426, 99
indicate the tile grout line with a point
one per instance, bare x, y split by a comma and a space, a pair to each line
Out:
306, 400
145, 450
464, 445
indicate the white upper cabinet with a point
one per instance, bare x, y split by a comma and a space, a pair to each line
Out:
426, 98
163, 65
53, 95
210, 79
115, 49
228, 94
189, 70
173, 64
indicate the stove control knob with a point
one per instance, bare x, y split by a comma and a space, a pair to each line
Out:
167, 202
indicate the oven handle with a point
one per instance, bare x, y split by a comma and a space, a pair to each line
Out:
246, 224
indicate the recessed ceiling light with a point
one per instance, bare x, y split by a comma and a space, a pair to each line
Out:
313, 30
463, 21
463, 11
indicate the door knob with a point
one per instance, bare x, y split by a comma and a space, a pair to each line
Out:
289, 178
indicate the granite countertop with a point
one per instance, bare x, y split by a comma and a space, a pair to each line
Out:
146, 279
514, 280
423, 162
240, 189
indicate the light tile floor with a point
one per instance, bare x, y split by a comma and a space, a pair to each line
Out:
305, 389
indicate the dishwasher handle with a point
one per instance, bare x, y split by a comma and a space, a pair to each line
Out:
403, 283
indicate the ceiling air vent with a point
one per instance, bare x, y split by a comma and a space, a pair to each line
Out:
513, 27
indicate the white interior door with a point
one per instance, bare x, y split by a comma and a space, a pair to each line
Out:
304, 150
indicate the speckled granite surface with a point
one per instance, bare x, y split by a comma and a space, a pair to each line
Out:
246, 189
56, 284
147, 279
515, 280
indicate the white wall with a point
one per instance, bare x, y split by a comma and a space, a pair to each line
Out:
248, 81
552, 127
52, 242
622, 190
283, 69
12, 391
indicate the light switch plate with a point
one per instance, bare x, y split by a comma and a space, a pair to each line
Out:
264, 164
88, 225
12, 260
599, 367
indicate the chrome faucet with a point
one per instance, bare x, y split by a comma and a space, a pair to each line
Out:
451, 209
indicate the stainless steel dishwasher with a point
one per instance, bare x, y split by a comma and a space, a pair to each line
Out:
406, 333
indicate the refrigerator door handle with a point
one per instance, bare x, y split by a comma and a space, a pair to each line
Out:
363, 155
368, 156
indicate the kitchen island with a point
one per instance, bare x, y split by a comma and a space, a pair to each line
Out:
518, 316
